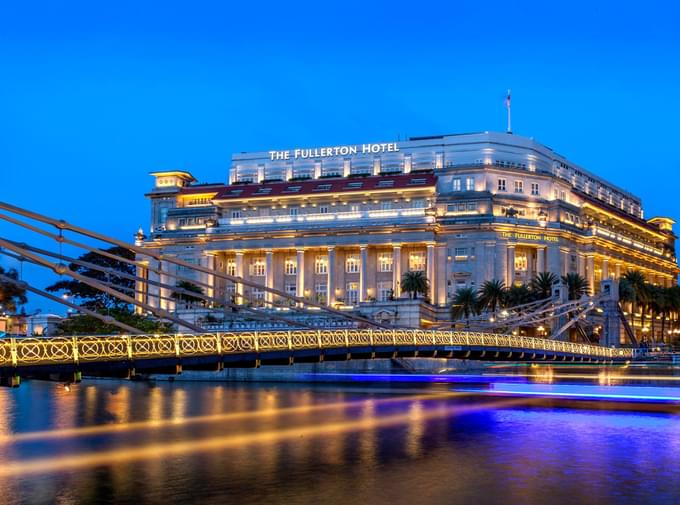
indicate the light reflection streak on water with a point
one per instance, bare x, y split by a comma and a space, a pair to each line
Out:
601, 377
231, 416
155, 451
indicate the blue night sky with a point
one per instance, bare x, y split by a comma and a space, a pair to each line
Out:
94, 95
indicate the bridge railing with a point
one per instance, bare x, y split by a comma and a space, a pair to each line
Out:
16, 352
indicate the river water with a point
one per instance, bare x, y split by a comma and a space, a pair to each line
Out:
140, 442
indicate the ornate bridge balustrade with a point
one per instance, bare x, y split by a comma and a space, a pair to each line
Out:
136, 350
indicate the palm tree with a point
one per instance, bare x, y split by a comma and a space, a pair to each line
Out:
635, 290
627, 296
414, 283
186, 297
542, 285
491, 295
518, 295
577, 286
465, 303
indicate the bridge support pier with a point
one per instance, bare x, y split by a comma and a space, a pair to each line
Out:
10, 381
611, 329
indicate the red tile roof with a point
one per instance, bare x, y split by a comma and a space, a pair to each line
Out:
201, 189
320, 186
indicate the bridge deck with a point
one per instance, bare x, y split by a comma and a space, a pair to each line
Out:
26, 356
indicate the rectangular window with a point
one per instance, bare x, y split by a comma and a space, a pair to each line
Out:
293, 211
354, 207
461, 253
258, 267
257, 296
290, 288
290, 266
323, 209
418, 203
456, 184
384, 291
502, 185
469, 184
471, 206
231, 267
519, 186
521, 262
563, 195
352, 262
352, 292
386, 205
385, 262
416, 262
236, 214
439, 160
321, 264
321, 292
534, 189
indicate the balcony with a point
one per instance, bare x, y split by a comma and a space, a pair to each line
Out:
335, 220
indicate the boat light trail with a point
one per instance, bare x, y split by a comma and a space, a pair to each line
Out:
156, 451
232, 416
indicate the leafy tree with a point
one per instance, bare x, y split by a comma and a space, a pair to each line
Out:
414, 283
542, 285
187, 298
87, 325
577, 285
90, 297
492, 295
464, 304
11, 295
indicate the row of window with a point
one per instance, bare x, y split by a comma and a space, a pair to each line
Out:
294, 210
258, 268
383, 292
518, 186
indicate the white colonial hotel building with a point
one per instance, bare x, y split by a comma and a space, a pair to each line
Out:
341, 224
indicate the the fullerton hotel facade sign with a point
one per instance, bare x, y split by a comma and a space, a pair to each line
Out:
325, 152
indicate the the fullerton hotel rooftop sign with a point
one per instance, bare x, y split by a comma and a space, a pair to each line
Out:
325, 152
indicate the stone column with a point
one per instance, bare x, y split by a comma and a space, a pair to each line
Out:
141, 287
582, 265
590, 269
617, 269
269, 276
431, 273
440, 273
363, 273
605, 269
555, 260
165, 294
501, 263
510, 279
396, 270
540, 260
330, 282
208, 261
300, 279
239, 273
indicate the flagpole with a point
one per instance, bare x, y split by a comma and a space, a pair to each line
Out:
507, 102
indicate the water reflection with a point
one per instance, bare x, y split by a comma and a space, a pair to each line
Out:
189, 442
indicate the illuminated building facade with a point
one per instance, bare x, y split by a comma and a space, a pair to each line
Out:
341, 225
